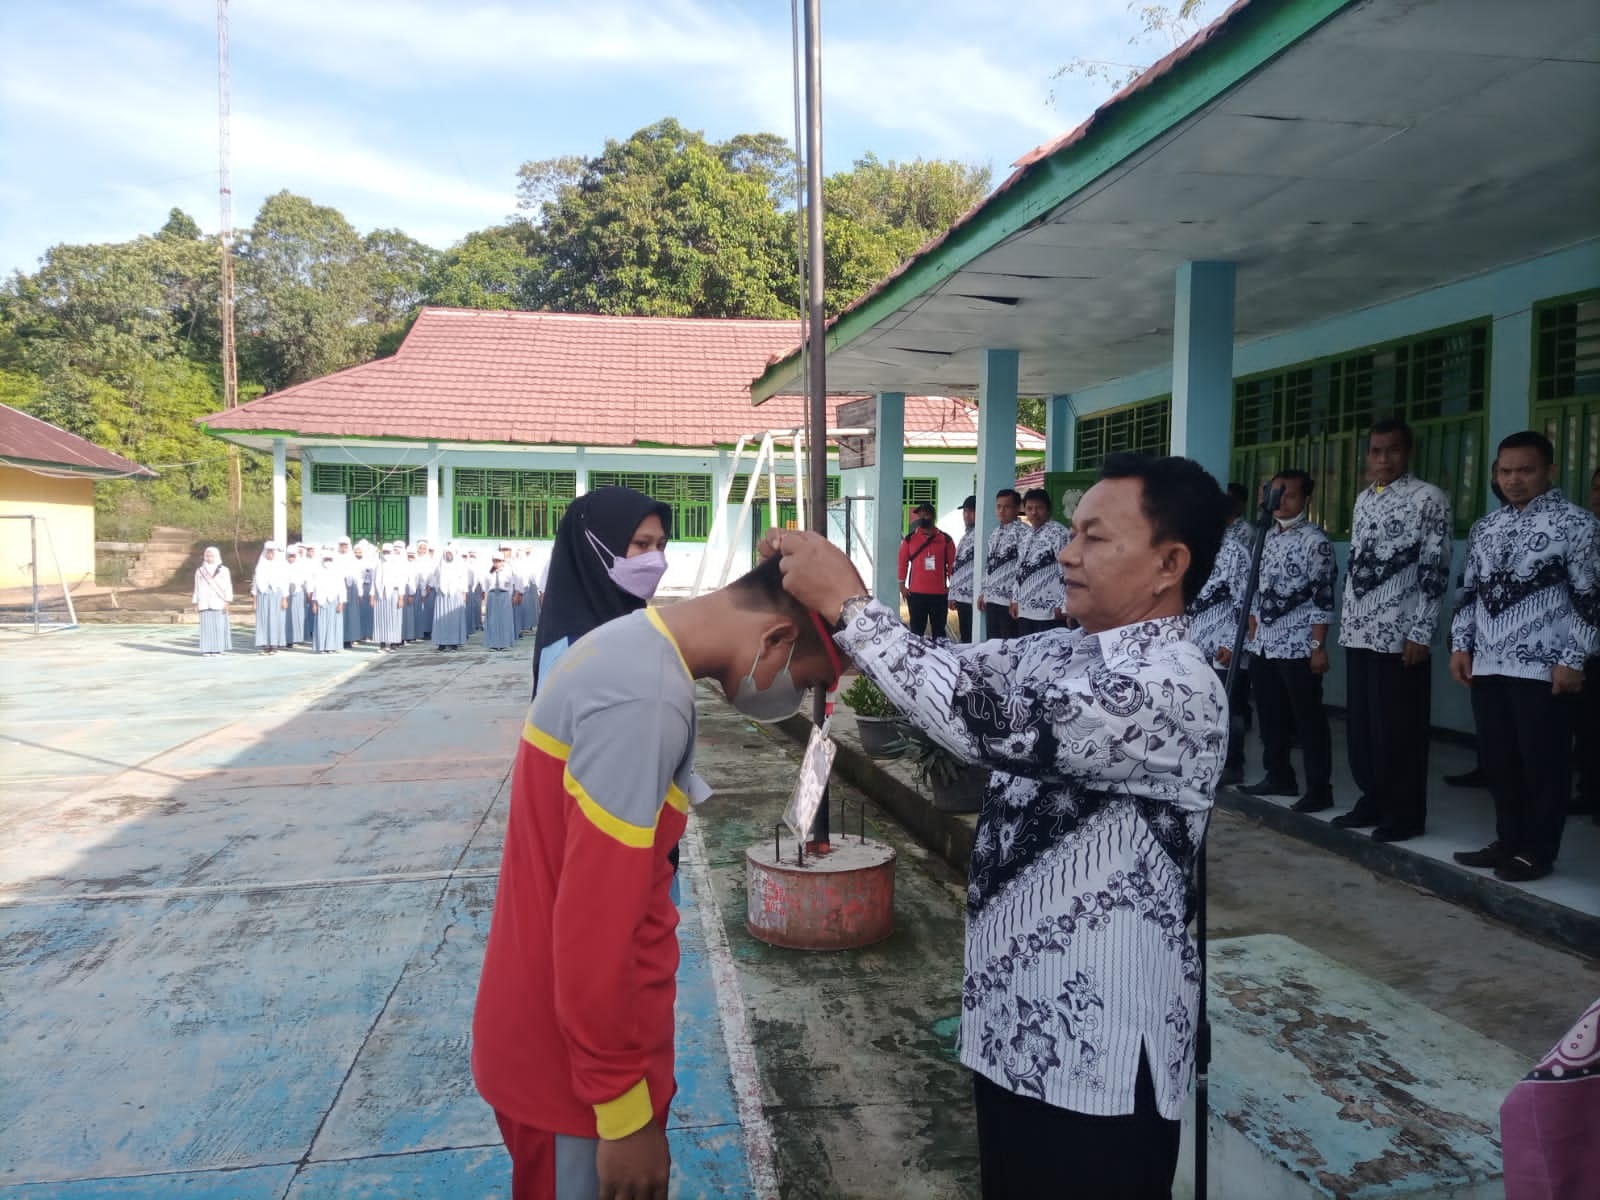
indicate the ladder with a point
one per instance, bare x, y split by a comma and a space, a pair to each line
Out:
727, 533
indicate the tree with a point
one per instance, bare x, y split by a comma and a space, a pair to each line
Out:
398, 266
1162, 29
486, 269
305, 302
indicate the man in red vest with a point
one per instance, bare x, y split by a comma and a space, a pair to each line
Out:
927, 557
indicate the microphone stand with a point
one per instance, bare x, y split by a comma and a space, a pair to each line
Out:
1271, 498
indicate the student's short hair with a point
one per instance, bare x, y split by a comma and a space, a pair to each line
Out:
1036, 494
1393, 425
1530, 439
1307, 484
1183, 503
1016, 496
1238, 493
761, 590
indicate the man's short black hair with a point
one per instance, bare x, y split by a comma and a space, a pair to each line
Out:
1239, 494
1016, 496
1183, 503
761, 589
1307, 484
1393, 425
1036, 494
924, 507
1533, 440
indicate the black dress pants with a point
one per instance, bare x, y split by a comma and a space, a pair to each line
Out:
1001, 623
1390, 708
1525, 746
1027, 625
1030, 1150
928, 610
1586, 743
964, 619
1289, 700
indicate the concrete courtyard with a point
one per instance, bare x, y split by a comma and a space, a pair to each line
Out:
243, 904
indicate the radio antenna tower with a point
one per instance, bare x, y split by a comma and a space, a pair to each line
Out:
230, 362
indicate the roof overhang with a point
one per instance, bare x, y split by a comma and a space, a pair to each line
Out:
75, 470
1342, 153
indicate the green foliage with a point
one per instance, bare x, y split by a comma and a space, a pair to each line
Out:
486, 269
866, 699
932, 763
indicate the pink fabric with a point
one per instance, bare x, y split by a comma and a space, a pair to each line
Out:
1550, 1123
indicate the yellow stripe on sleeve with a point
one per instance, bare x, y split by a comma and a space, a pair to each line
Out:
628, 1113
640, 837
540, 740
676, 798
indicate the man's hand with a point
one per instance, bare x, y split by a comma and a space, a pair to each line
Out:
1224, 656
1319, 662
905, 594
1413, 653
953, 607
817, 573
768, 546
1564, 681
1014, 610
635, 1167
1461, 668
1252, 631
285, 604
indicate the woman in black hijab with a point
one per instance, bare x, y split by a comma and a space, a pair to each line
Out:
609, 555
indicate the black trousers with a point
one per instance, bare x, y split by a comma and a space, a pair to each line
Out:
1001, 623
1289, 700
1525, 746
1030, 1150
1390, 706
1027, 625
928, 609
1236, 714
1586, 743
964, 619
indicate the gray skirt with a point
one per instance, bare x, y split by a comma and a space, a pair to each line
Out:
215, 637
269, 619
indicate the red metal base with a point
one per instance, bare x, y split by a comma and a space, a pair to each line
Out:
839, 901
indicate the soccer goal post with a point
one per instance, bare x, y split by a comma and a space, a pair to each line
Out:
39, 599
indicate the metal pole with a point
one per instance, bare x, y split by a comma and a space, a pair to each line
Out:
816, 324
33, 554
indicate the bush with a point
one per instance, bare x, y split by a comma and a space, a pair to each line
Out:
867, 699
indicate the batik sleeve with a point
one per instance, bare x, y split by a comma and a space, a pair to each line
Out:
1583, 581
1433, 569
1464, 624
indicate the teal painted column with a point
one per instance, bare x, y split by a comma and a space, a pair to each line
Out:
280, 492
1510, 375
997, 452
1060, 434
1202, 365
888, 486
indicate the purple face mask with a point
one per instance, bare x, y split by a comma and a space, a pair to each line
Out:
639, 575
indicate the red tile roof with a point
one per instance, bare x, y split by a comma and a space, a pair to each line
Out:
464, 375
29, 442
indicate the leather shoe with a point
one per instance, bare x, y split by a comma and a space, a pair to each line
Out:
1393, 833
1492, 855
1356, 818
1310, 803
1474, 778
1271, 787
1520, 870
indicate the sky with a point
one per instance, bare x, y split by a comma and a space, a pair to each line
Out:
415, 114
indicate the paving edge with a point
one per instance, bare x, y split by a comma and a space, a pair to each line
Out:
943, 833
948, 836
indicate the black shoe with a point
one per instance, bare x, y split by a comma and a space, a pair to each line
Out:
1520, 869
1474, 778
1359, 817
1272, 787
1311, 803
1393, 833
1492, 855
1231, 777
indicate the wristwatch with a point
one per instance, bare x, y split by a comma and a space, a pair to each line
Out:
1316, 644
850, 610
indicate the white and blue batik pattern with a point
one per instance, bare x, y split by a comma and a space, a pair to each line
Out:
1400, 543
1529, 595
1040, 589
962, 574
1105, 752
1295, 591
1000, 563
1241, 531
1214, 613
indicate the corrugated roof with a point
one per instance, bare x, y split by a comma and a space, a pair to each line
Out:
29, 442
465, 375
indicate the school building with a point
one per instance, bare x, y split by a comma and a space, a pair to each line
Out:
1312, 214
483, 426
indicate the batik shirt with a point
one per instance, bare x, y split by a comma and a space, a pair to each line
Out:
1105, 752
1040, 588
1241, 531
1295, 591
1000, 563
964, 570
1400, 542
1214, 613
1529, 594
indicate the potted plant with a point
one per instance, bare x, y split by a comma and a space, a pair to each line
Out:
953, 784
877, 719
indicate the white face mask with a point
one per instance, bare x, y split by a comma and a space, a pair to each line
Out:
777, 701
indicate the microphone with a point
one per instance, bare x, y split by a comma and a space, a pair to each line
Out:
1271, 498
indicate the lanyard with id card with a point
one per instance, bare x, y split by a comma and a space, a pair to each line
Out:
811, 787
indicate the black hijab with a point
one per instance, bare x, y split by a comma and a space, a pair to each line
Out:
578, 593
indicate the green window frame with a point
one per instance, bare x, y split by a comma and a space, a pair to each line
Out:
1565, 400
1315, 416
356, 480
689, 495
785, 488
915, 490
1144, 428
497, 502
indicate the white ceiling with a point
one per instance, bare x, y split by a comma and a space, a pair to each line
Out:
1403, 145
